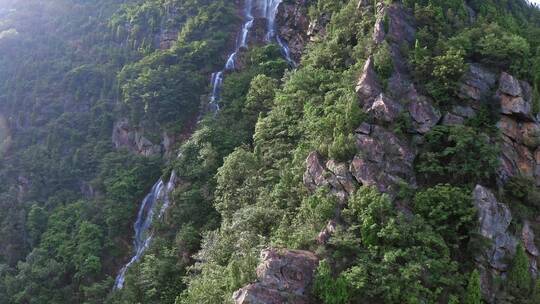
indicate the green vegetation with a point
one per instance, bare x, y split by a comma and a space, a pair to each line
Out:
450, 155
70, 69
474, 294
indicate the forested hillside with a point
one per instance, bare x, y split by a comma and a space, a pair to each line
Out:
268, 151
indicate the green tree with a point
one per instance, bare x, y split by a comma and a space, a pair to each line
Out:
449, 210
519, 277
474, 293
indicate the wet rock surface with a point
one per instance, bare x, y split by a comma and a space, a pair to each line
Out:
293, 26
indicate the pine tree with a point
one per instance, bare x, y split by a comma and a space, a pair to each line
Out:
474, 294
519, 277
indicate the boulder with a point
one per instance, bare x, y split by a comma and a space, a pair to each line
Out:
384, 109
424, 115
283, 276
368, 87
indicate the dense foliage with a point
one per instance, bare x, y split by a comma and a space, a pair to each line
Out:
70, 69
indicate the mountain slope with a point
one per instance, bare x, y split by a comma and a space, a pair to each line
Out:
316, 151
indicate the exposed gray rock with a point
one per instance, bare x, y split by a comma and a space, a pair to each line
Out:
384, 109
368, 87
515, 97
509, 85
331, 174
383, 160
464, 111
317, 28
518, 155
494, 220
284, 276
477, 83
327, 232
379, 30
131, 138
527, 239
424, 115
401, 26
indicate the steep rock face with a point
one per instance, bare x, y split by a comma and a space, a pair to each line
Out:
368, 87
125, 136
331, 173
284, 276
293, 26
527, 239
384, 160
477, 83
494, 220
519, 128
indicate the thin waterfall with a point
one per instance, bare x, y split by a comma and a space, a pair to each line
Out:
143, 236
160, 192
252, 9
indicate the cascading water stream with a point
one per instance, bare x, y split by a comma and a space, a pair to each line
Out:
159, 194
252, 9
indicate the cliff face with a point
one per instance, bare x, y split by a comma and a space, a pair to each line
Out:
322, 151
387, 160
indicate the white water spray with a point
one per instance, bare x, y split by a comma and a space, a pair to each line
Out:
266, 9
143, 236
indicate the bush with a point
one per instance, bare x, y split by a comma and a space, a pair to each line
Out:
451, 153
448, 209
328, 289
474, 294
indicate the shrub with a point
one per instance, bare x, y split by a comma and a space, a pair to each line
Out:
448, 209
474, 294
451, 153
328, 289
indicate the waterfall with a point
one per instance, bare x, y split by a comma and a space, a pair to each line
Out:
160, 193
266, 9
143, 236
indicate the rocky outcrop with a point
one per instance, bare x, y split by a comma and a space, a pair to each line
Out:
494, 221
368, 87
527, 239
520, 130
383, 160
515, 97
424, 115
126, 136
283, 276
293, 26
331, 174
384, 109
477, 83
